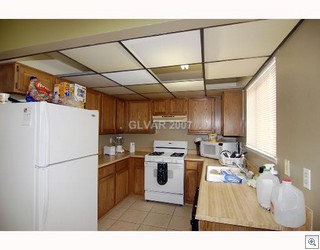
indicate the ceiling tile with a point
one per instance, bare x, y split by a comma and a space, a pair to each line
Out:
53, 63
114, 90
92, 81
132, 77
185, 86
175, 73
167, 50
148, 88
158, 96
234, 68
252, 39
134, 97
230, 85
189, 94
104, 57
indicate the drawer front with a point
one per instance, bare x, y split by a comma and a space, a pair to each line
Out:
192, 165
122, 164
105, 171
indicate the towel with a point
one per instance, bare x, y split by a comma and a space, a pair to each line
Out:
162, 173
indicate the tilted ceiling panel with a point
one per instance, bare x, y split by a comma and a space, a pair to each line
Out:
104, 58
132, 77
148, 88
235, 68
92, 81
252, 39
167, 50
185, 86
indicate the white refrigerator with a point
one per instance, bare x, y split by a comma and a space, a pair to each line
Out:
48, 167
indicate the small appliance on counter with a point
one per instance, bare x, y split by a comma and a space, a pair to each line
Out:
214, 149
118, 142
132, 147
109, 150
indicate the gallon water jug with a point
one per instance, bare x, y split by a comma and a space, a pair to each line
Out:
265, 183
288, 206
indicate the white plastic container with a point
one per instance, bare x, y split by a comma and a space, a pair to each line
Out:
265, 183
288, 205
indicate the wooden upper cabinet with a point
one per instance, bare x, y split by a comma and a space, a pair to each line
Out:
232, 116
201, 116
160, 107
93, 102
139, 117
15, 78
170, 107
120, 116
108, 114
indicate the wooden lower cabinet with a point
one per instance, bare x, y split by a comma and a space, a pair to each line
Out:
122, 180
193, 170
137, 178
214, 226
106, 189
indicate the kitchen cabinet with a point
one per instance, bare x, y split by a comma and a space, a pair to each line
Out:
137, 175
120, 116
108, 114
201, 116
193, 170
139, 117
170, 107
93, 102
106, 189
232, 115
15, 78
122, 180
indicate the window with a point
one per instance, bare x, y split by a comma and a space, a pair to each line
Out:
261, 113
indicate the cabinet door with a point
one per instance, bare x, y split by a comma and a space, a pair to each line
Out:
106, 194
192, 179
178, 107
201, 116
108, 114
8, 78
160, 107
232, 116
93, 102
139, 117
120, 116
24, 73
122, 180
138, 176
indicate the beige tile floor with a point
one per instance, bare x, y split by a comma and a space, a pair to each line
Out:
136, 214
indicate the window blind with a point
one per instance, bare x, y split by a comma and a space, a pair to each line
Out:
261, 112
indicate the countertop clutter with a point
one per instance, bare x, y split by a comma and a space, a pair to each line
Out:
222, 206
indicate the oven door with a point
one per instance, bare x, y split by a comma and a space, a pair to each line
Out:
175, 183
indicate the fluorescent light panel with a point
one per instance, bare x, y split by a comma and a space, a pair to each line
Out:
132, 77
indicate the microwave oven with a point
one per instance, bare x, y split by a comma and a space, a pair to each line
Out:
213, 149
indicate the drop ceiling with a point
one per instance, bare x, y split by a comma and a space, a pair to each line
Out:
218, 57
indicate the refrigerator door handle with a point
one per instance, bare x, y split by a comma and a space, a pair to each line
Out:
43, 196
43, 150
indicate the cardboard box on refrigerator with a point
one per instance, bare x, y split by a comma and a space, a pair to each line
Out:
70, 94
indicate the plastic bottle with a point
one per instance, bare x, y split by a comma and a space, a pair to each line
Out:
265, 183
288, 205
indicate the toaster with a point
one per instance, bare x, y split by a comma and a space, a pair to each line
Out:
109, 150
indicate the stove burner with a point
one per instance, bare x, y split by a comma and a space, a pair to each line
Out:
177, 155
156, 153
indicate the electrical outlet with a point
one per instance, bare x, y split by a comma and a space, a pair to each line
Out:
307, 178
287, 167
110, 140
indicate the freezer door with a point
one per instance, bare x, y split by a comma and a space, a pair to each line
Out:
67, 196
17, 171
66, 133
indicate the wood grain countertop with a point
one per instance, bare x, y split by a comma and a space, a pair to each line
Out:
104, 160
234, 204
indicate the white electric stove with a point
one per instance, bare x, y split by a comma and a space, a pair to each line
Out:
164, 172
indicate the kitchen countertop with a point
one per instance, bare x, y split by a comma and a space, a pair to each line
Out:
104, 160
234, 204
